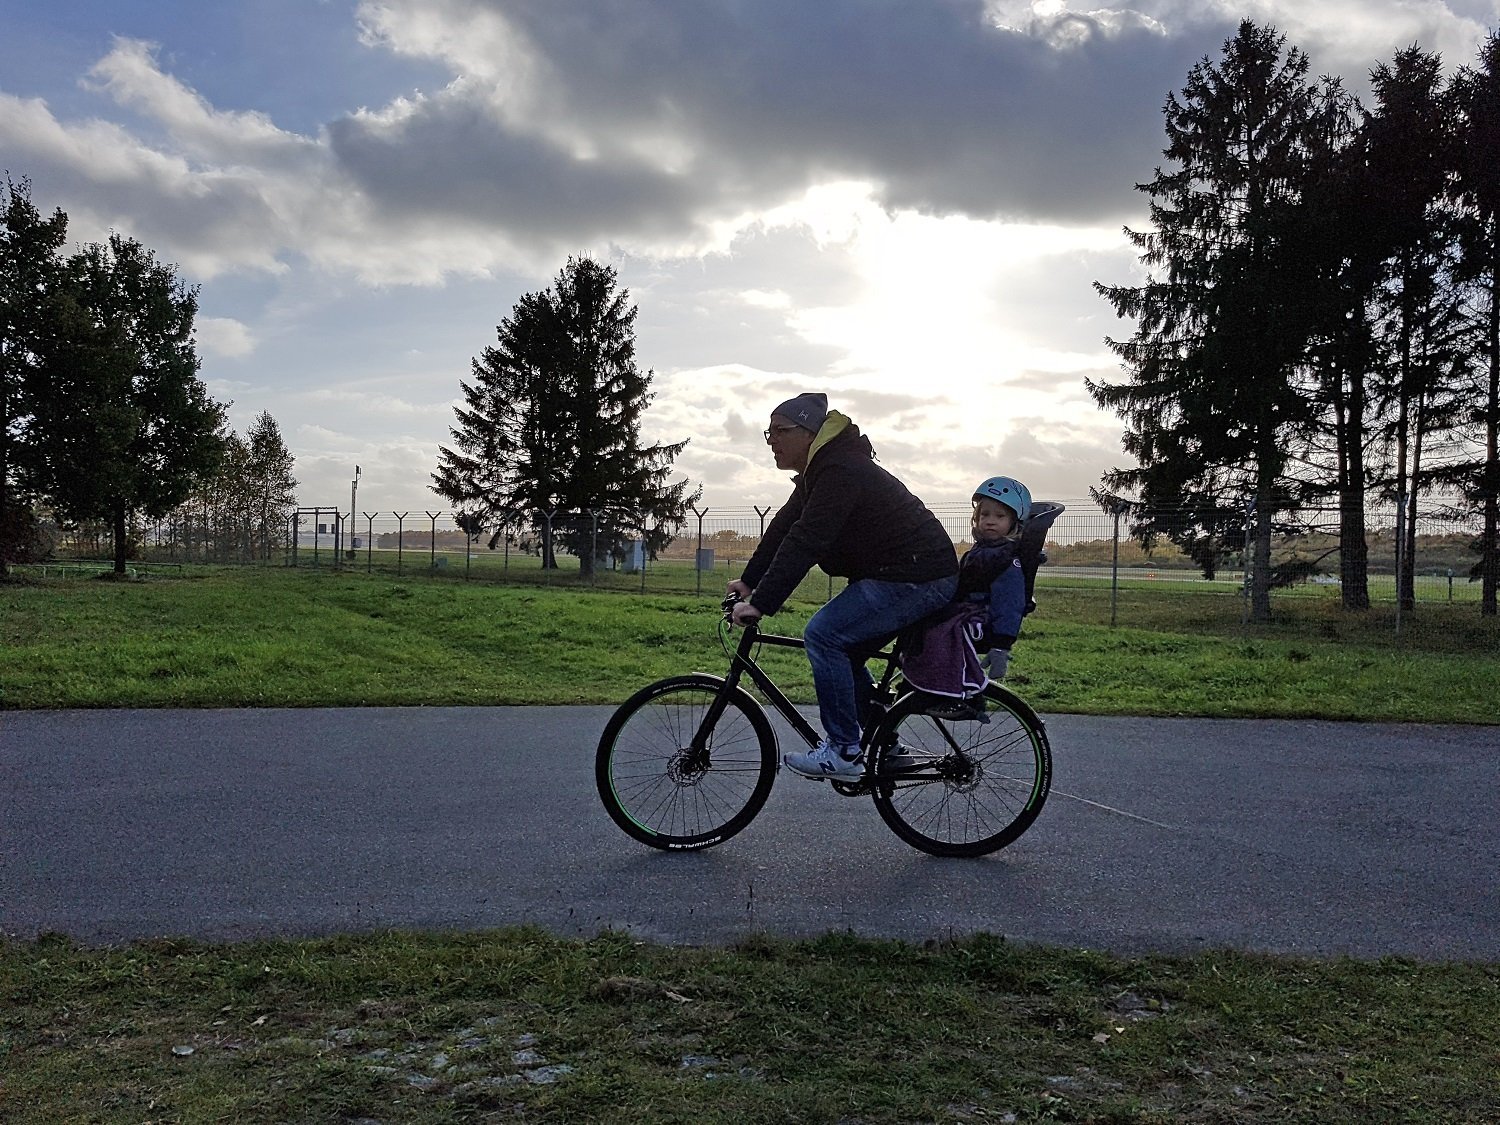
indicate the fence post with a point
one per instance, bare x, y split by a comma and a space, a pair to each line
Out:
370, 542
549, 547
698, 553
1400, 560
1248, 574
400, 537
593, 546
432, 542
1114, 569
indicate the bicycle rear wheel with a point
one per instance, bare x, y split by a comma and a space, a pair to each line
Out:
961, 787
667, 794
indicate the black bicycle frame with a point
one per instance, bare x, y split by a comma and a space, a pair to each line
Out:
743, 663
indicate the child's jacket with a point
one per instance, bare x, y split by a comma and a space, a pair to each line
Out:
990, 573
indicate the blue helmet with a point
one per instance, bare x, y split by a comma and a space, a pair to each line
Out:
1008, 491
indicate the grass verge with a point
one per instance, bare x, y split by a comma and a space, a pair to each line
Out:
518, 1025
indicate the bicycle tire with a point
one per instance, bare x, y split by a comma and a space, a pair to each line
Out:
971, 787
652, 787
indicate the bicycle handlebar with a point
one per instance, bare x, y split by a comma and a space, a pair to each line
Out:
727, 606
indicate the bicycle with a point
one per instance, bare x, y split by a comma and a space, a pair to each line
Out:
687, 762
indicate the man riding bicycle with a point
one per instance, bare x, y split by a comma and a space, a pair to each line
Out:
852, 518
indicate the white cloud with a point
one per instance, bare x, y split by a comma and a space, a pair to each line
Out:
1345, 37
373, 402
663, 134
766, 299
131, 76
224, 336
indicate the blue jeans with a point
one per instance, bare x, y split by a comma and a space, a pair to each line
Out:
866, 611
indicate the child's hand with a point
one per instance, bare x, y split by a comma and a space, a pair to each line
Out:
999, 661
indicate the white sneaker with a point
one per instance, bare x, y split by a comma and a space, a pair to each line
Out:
825, 761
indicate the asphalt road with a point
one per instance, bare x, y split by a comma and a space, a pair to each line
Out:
1160, 835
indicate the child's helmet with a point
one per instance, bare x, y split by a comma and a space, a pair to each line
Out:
1008, 491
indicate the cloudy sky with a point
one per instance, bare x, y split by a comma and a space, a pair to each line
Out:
901, 202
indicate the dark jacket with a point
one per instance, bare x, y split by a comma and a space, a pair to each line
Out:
990, 573
850, 517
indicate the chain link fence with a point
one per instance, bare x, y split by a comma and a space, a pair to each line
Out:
1087, 548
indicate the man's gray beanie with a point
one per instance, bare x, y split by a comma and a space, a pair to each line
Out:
808, 410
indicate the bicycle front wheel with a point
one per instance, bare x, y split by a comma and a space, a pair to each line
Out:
666, 792
961, 787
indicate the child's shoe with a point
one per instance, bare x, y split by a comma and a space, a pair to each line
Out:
958, 710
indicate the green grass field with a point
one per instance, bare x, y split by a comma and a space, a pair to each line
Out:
301, 638
518, 1025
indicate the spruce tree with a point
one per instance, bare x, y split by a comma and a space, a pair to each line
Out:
1211, 394
1477, 185
1408, 146
1332, 237
551, 425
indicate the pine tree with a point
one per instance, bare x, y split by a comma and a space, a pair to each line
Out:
1477, 98
270, 484
1408, 148
1331, 237
1210, 389
551, 423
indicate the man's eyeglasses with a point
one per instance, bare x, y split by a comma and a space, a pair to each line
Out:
779, 430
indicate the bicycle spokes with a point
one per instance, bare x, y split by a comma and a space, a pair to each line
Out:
962, 787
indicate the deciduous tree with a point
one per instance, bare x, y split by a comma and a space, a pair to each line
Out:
272, 487
30, 267
122, 425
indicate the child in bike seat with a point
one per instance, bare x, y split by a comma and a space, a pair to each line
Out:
990, 572
942, 660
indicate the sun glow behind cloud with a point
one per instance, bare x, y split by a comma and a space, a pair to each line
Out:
932, 302
937, 350
931, 310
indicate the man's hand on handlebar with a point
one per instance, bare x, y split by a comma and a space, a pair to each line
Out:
744, 614
737, 608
